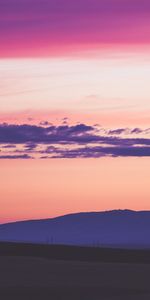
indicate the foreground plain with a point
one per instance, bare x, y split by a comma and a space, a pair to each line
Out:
28, 277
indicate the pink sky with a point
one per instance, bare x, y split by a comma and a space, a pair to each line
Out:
67, 66
58, 27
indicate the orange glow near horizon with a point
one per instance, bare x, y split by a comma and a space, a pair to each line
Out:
36, 189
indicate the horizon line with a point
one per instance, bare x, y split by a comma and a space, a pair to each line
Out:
76, 213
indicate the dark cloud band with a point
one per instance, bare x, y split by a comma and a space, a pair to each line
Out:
66, 141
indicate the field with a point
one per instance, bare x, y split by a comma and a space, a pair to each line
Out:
72, 273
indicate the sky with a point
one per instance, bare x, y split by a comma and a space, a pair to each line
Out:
74, 106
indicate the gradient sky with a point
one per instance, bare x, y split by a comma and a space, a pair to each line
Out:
74, 106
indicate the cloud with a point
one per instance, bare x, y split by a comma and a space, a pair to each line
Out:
136, 130
20, 134
24, 156
45, 123
30, 146
9, 146
117, 131
71, 141
96, 152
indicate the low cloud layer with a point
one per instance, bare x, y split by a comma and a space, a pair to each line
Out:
71, 141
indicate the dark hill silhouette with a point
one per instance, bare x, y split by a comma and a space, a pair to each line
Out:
118, 228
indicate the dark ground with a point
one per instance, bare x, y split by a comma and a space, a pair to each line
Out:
44, 272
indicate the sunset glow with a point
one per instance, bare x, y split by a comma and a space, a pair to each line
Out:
74, 106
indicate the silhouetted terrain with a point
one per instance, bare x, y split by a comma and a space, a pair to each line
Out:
87, 256
73, 273
125, 229
76, 253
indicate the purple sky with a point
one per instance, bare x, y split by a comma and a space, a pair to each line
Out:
39, 27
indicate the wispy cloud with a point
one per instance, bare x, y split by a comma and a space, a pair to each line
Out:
71, 141
97, 152
24, 156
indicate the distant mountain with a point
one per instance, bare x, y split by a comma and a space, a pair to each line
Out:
118, 228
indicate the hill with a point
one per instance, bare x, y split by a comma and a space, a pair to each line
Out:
118, 228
